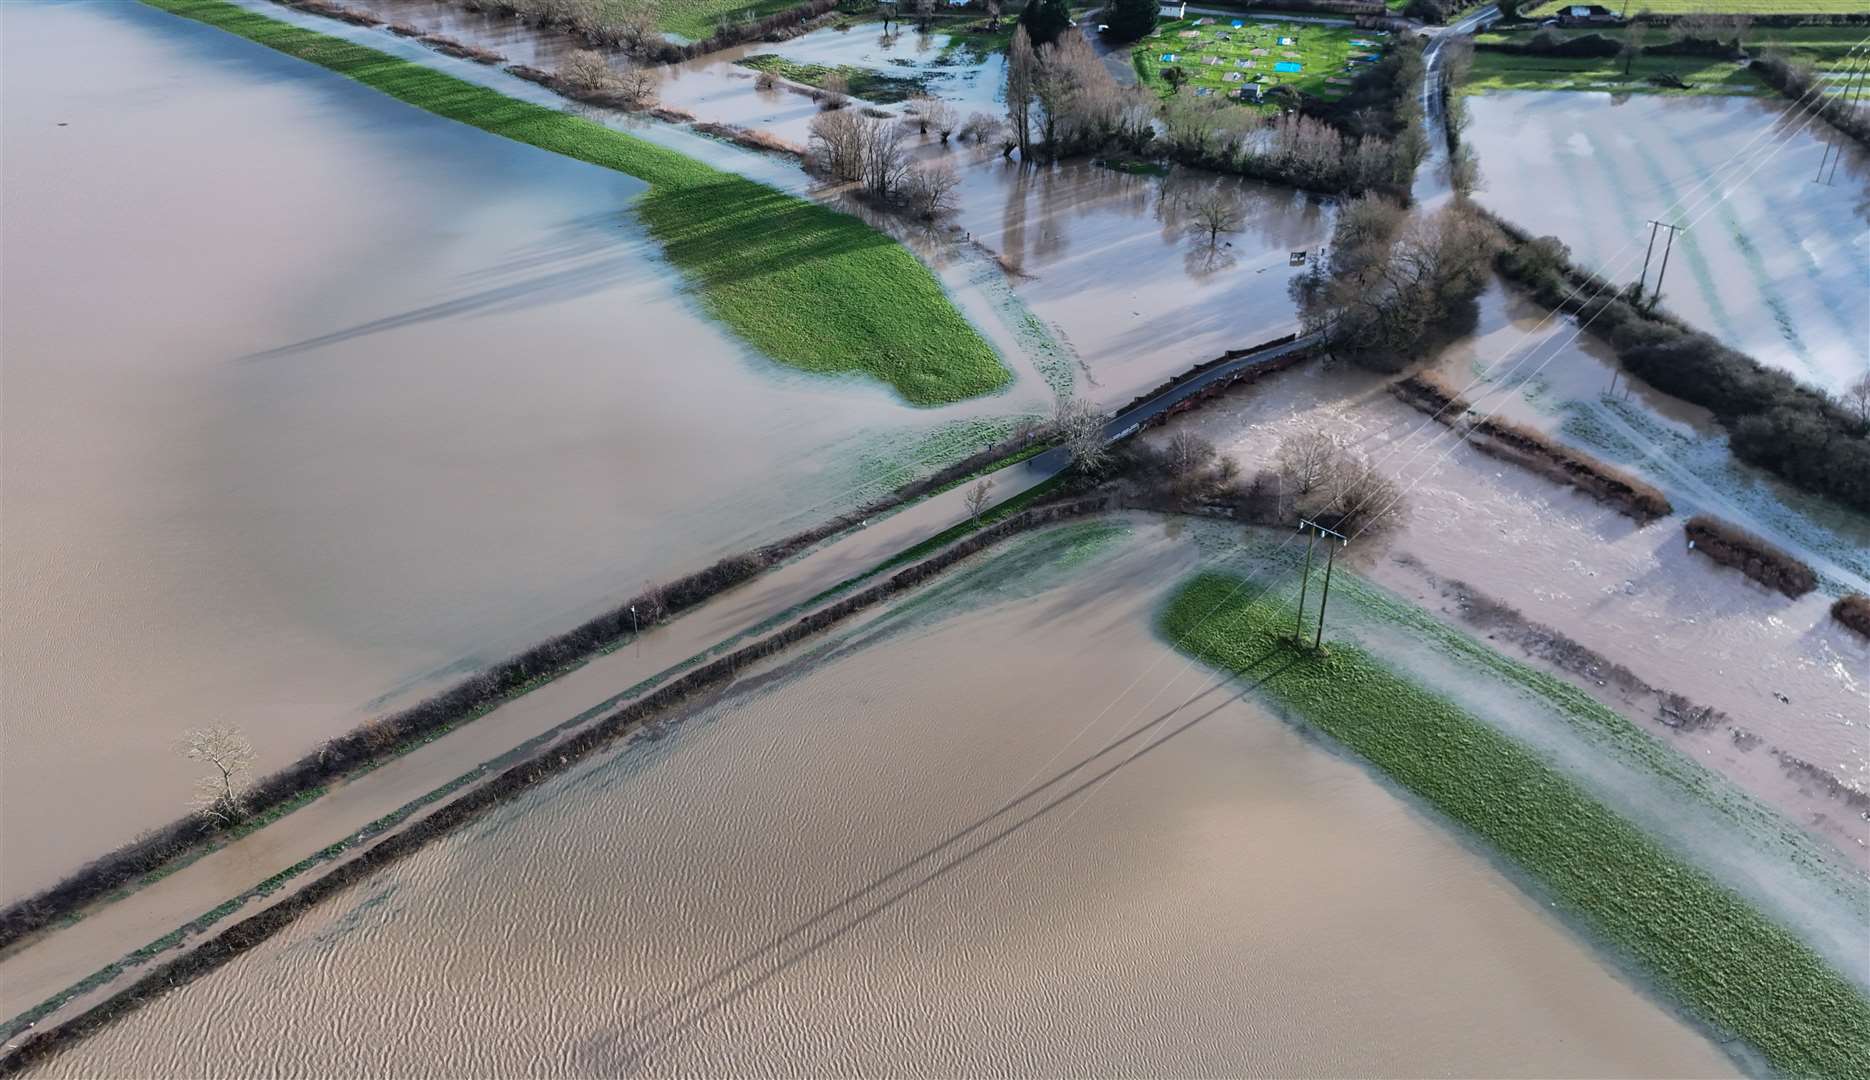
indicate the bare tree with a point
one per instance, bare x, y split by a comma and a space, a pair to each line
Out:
1081, 428
1213, 211
1306, 460
982, 128
993, 14
638, 87
837, 143
1359, 498
941, 116
586, 71
925, 13
885, 161
1022, 80
766, 80
220, 795
1632, 46
929, 190
978, 497
1857, 396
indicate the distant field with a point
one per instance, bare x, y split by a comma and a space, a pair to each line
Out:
1729, 7
1510, 71
1210, 50
697, 19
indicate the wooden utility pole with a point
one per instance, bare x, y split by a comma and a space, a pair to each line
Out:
1317, 530
1667, 246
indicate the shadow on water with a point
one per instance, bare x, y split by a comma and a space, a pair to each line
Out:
625, 1047
578, 261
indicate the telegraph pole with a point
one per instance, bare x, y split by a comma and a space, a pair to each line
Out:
1848, 99
1667, 246
1317, 530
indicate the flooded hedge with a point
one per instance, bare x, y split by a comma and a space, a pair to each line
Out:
1796, 432
1853, 610
380, 739
553, 760
1733, 546
1534, 450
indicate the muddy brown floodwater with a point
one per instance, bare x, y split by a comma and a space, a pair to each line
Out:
1000, 830
1782, 671
313, 401
1779, 268
1103, 258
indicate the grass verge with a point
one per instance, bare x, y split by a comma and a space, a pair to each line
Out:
804, 284
1711, 950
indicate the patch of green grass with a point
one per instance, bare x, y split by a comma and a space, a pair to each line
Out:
975, 44
698, 19
804, 284
1323, 52
1516, 71
864, 83
1133, 166
1703, 944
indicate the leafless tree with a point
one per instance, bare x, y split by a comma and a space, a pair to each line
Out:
586, 71
982, 128
935, 113
638, 87
885, 161
993, 14
766, 80
837, 143
1857, 396
1081, 428
221, 794
1022, 81
1306, 460
930, 189
978, 498
1359, 497
1632, 46
1215, 210
925, 13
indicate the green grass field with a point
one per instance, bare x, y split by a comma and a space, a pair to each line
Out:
875, 86
1720, 7
1210, 50
804, 284
1517, 71
1708, 948
697, 19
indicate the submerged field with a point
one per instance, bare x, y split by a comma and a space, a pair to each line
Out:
1722, 7
806, 285
1721, 958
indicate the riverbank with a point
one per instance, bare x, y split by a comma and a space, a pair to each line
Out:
1722, 959
806, 285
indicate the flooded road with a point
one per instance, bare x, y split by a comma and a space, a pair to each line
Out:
313, 401
1782, 670
1084, 858
1779, 269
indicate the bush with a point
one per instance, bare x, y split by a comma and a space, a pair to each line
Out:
1733, 546
1853, 610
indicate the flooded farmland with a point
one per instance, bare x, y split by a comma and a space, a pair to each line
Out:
1778, 268
1085, 857
313, 400
1782, 672
1104, 259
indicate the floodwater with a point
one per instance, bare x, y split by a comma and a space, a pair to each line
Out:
1086, 857
1104, 259
1782, 670
1780, 268
313, 401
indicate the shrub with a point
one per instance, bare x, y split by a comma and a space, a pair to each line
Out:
1733, 546
1853, 610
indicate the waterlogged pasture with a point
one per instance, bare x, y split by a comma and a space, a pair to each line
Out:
1707, 946
869, 825
1777, 268
331, 402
